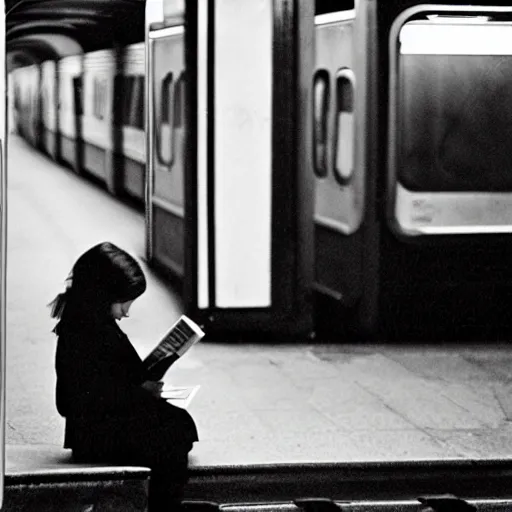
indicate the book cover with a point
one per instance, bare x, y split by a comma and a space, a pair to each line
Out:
176, 341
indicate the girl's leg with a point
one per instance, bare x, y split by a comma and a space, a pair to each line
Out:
167, 484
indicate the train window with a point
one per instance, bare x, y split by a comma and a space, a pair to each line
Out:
137, 106
77, 95
165, 100
99, 97
321, 97
164, 136
344, 126
454, 106
132, 101
127, 88
450, 124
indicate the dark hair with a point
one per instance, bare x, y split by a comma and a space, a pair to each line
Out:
102, 276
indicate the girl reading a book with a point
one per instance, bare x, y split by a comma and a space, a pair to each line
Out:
113, 413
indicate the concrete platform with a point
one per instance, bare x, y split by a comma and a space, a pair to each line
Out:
259, 403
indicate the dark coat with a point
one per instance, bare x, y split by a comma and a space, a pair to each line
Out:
108, 414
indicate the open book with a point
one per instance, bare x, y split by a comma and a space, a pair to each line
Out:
176, 341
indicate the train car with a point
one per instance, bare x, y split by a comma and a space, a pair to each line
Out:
69, 118
410, 144
446, 247
130, 95
409, 151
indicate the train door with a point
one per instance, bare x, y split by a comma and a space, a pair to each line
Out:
248, 186
343, 280
165, 204
447, 250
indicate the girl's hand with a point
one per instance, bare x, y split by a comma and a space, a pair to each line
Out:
154, 387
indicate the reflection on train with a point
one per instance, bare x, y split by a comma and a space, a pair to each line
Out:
410, 156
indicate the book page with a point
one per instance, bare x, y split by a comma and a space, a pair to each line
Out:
177, 340
180, 396
182, 335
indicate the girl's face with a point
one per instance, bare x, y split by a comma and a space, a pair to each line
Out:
120, 309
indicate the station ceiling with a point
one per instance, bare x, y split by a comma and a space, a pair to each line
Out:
38, 30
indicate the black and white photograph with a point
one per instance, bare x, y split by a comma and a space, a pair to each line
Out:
256, 256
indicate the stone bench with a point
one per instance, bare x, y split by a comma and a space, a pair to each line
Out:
44, 479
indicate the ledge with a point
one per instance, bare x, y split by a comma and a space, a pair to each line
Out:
48, 463
44, 478
48, 470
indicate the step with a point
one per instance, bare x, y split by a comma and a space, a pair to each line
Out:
43, 478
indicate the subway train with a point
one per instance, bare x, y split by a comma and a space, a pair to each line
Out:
66, 109
409, 164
